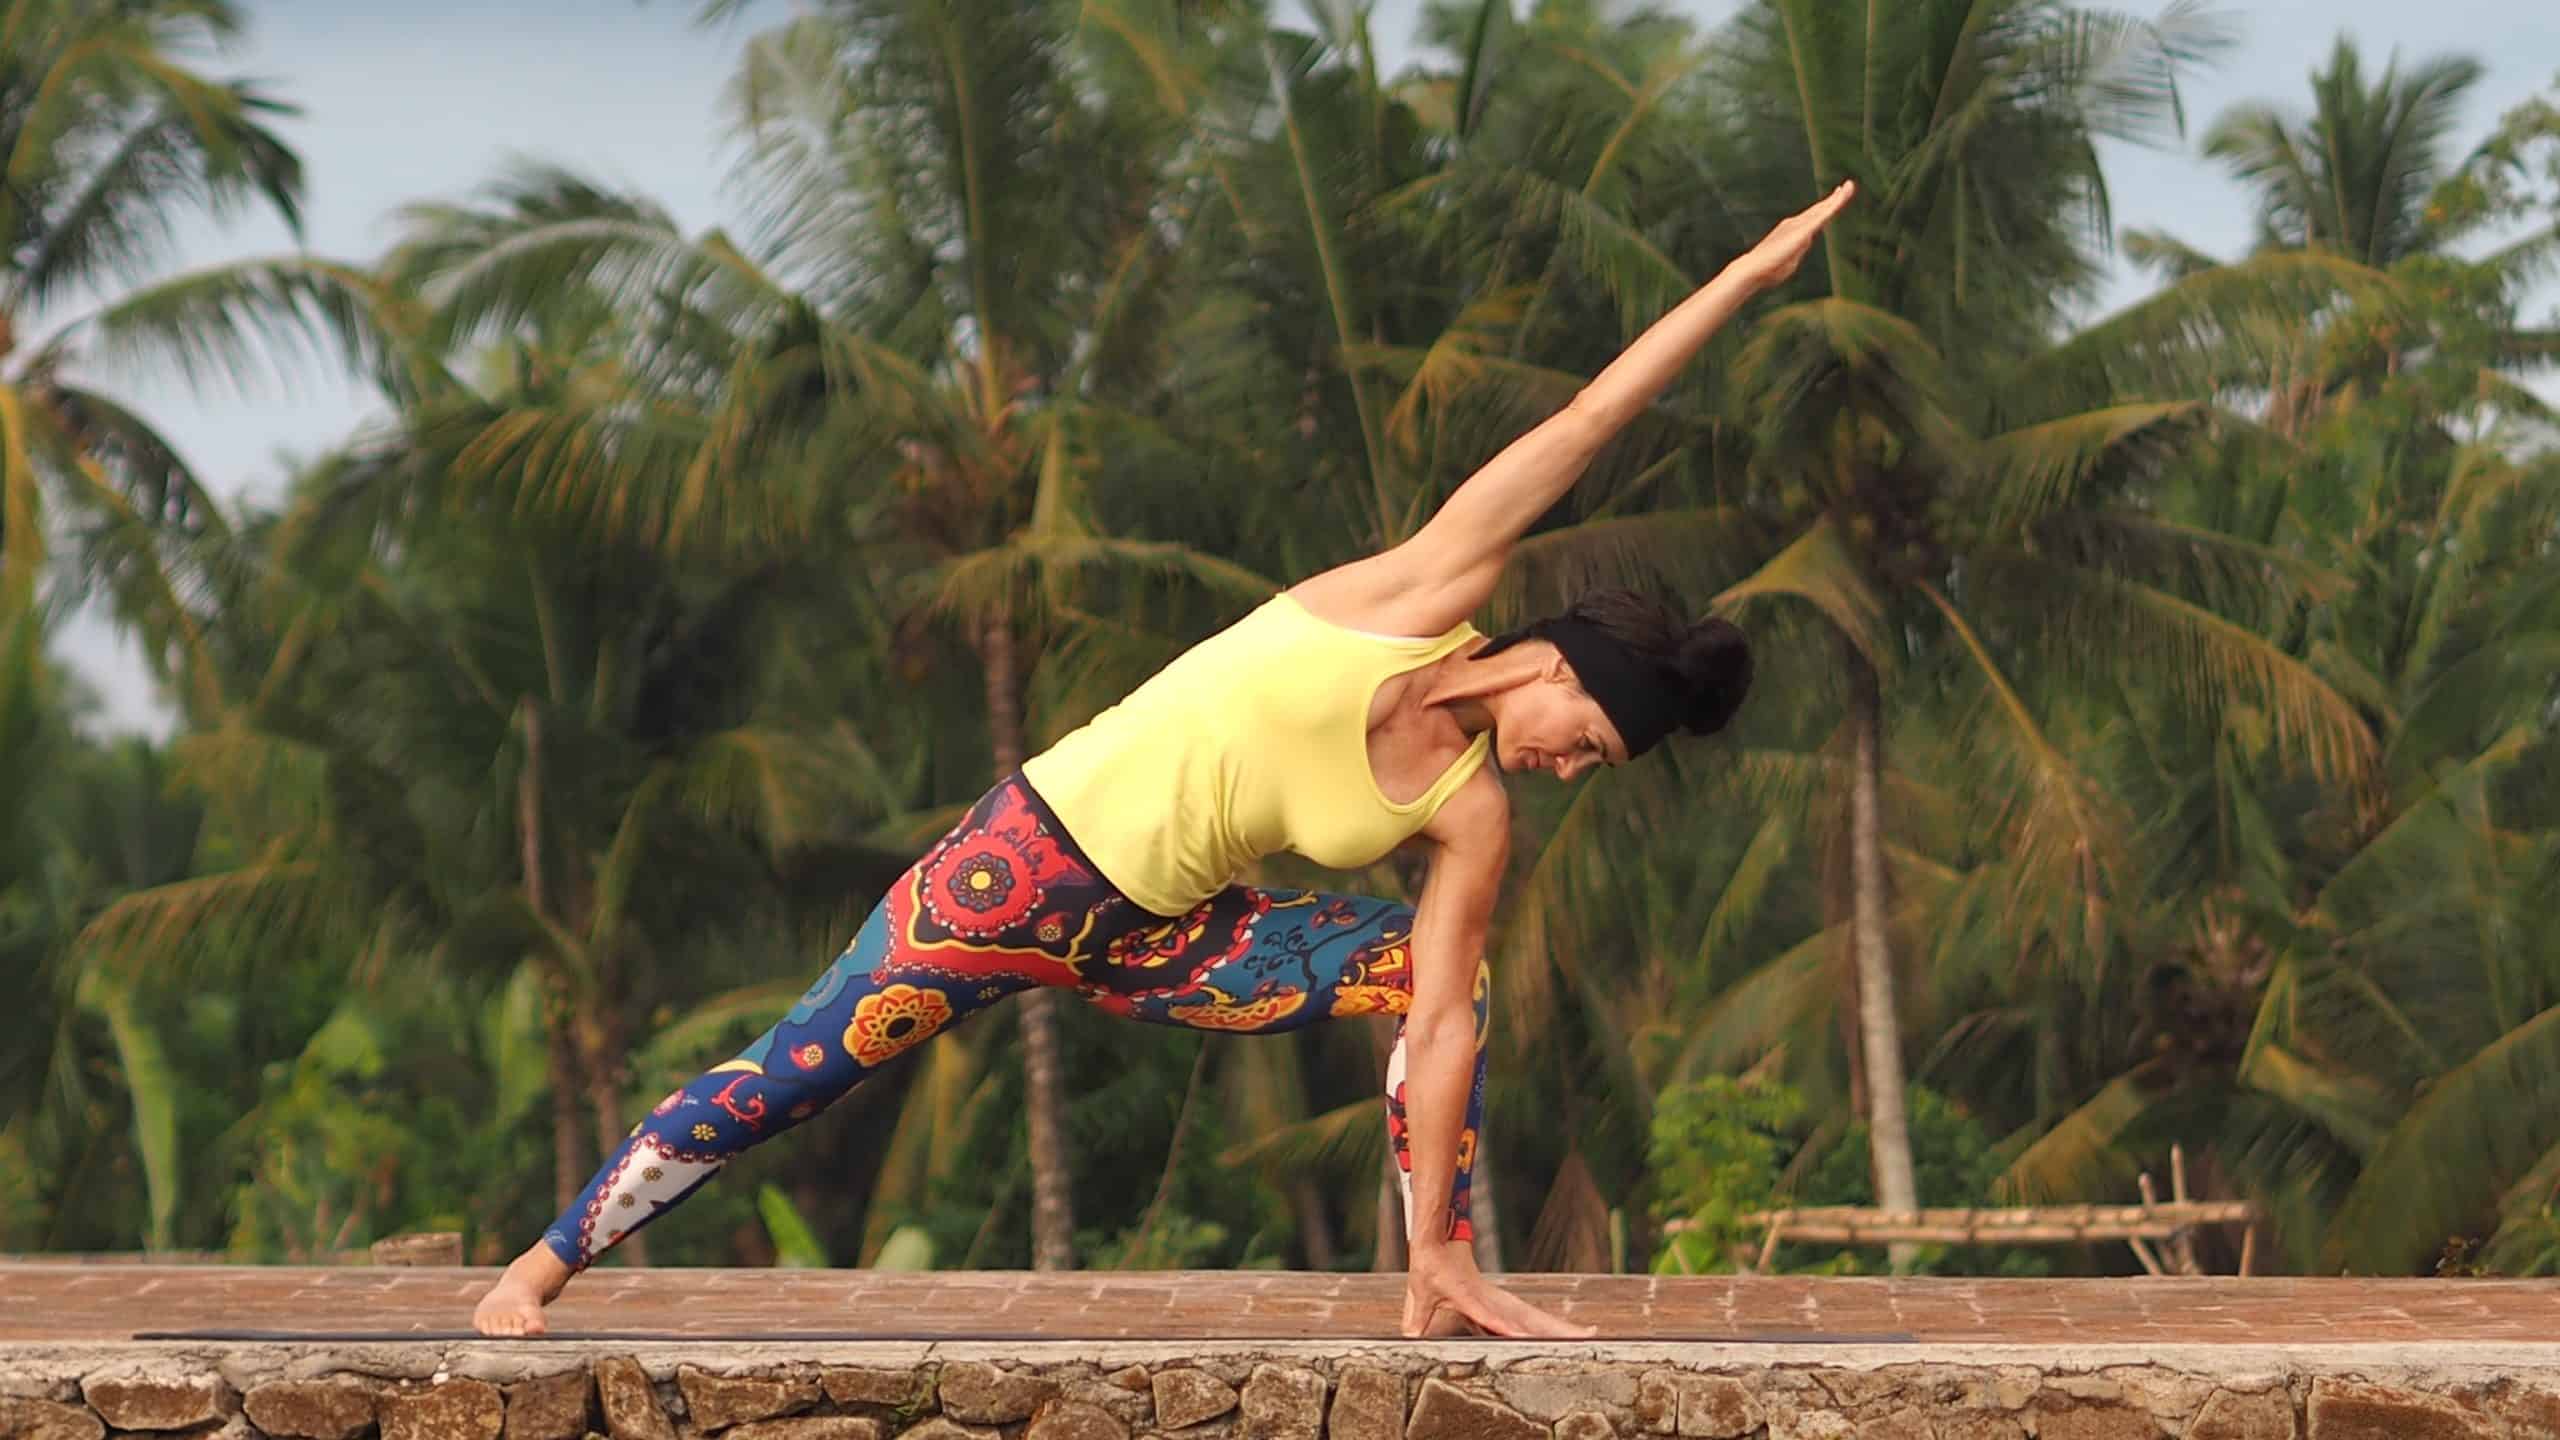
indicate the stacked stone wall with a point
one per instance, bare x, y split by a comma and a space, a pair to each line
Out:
1070, 1392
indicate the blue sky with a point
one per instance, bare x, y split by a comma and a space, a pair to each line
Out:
405, 101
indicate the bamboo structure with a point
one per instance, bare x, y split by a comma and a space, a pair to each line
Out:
2172, 1223
2025, 1225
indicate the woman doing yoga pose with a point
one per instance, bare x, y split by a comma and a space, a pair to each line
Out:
1339, 720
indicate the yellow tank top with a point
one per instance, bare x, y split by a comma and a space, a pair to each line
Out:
1252, 742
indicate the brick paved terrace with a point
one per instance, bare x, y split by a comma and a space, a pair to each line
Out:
56, 1302
358, 1353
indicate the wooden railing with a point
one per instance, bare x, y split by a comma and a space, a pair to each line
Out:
2172, 1223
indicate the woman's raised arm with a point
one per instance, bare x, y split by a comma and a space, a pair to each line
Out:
1447, 570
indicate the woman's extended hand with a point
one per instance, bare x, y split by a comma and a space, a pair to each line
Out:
1783, 249
1443, 1292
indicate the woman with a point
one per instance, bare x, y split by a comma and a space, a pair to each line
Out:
1344, 717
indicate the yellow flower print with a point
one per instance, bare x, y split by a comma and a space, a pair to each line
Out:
705, 1133
1370, 1000
1252, 1015
894, 1020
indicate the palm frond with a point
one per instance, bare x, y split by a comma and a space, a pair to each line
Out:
2349, 1106
1688, 552
1786, 997
2063, 835
2219, 570
167, 923
2038, 469
2166, 255
2439, 1173
2197, 336
2092, 623
1819, 570
2078, 1156
221, 325
1348, 1140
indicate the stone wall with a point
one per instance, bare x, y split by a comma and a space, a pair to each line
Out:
565, 1391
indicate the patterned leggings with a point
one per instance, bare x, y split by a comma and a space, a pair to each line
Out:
1003, 903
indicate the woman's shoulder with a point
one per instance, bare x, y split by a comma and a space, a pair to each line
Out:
1371, 597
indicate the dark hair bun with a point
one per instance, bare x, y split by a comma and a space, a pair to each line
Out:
1706, 665
1713, 663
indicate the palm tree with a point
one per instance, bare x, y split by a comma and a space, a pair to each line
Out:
2361, 997
110, 137
2356, 176
922, 360
1979, 526
550, 733
2365, 178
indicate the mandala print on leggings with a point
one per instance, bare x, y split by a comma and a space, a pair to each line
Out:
1005, 902
1000, 898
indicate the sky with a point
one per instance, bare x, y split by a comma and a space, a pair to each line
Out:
404, 102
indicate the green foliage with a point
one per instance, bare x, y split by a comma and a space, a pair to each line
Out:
1725, 1147
795, 1245
1719, 1148
537, 746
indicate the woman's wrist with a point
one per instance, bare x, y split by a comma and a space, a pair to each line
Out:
1424, 1254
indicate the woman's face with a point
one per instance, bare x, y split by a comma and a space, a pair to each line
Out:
1549, 724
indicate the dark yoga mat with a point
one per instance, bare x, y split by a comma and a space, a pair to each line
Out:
1762, 1337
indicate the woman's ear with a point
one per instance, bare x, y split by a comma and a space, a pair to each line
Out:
1559, 670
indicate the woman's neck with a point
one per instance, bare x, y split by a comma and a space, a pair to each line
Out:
1462, 684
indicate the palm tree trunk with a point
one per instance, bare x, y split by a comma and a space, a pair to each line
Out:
570, 1157
1053, 1224
570, 1160
1315, 1233
1879, 1020
604, 1100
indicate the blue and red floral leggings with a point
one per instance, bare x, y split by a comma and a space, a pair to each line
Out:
1003, 903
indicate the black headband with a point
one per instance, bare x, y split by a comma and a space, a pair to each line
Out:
1639, 697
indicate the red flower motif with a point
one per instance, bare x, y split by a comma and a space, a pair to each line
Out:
980, 887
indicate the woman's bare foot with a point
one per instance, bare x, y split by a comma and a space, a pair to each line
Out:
1448, 1324
514, 1305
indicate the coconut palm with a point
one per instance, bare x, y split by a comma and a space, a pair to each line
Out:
2351, 966
925, 358
112, 139
1977, 525
2366, 177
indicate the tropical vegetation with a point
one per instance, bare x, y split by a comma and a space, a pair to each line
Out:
2156, 741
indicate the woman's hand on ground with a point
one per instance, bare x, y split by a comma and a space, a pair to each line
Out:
1783, 249
1444, 1293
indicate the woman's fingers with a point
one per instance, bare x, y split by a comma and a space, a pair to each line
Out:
1809, 221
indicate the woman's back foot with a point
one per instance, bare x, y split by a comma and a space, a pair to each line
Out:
513, 1306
